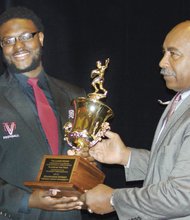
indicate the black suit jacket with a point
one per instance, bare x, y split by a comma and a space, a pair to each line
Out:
22, 146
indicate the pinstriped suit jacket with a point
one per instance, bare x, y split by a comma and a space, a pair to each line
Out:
165, 171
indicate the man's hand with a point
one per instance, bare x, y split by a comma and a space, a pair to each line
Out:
45, 200
98, 199
111, 150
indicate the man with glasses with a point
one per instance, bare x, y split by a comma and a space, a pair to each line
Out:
25, 136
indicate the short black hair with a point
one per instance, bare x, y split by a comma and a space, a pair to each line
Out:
23, 13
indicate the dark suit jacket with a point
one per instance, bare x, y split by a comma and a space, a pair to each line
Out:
22, 146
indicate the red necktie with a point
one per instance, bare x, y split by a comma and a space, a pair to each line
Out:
46, 115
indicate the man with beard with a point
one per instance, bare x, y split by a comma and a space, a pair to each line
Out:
166, 169
24, 136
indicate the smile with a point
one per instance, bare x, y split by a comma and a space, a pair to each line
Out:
21, 55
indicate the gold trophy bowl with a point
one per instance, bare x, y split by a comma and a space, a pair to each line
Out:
87, 124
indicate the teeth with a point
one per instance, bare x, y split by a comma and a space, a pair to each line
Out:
22, 54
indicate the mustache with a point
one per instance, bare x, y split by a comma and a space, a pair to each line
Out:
167, 72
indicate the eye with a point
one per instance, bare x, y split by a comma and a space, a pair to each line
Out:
8, 41
25, 36
175, 55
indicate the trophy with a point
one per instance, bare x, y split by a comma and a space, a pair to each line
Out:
87, 124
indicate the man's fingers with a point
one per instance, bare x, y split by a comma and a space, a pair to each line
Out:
68, 203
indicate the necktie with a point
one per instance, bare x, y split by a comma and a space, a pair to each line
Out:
173, 106
46, 115
171, 110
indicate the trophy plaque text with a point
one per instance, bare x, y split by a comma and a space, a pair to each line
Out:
72, 175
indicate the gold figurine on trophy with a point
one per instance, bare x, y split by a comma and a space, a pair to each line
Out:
97, 83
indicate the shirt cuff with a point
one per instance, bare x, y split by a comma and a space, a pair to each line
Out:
111, 201
128, 163
24, 204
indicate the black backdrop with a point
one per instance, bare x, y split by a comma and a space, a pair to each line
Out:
130, 33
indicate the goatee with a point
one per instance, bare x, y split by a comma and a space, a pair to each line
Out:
35, 63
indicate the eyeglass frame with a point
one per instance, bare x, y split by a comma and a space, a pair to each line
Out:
18, 38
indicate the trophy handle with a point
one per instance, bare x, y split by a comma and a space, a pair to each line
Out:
100, 134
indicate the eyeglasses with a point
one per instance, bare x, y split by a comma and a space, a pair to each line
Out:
9, 41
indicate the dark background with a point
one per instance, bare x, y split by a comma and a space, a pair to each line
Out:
130, 33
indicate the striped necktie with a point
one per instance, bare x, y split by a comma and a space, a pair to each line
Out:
173, 106
171, 110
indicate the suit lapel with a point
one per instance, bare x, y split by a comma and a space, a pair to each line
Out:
157, 144
62, 103
20, 102
160, 123
174, 118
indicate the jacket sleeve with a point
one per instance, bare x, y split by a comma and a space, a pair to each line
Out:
167, 198
138, 165
13, 199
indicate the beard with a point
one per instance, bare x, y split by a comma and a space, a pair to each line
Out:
35, 63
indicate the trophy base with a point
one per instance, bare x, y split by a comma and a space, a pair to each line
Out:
65, 189
71, 175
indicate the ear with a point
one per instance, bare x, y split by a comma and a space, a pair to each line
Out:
41, 38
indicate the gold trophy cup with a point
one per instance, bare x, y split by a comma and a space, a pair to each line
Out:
88, 121
87, 124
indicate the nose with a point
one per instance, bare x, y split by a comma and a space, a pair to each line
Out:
164, 62
18, 44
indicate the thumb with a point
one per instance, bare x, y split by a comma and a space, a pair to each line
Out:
92, 152
110, 134
71, 152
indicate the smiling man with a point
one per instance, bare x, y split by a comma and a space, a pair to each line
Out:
22, 52
27, 131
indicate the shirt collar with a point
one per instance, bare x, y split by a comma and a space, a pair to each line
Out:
22, 79
185, 94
